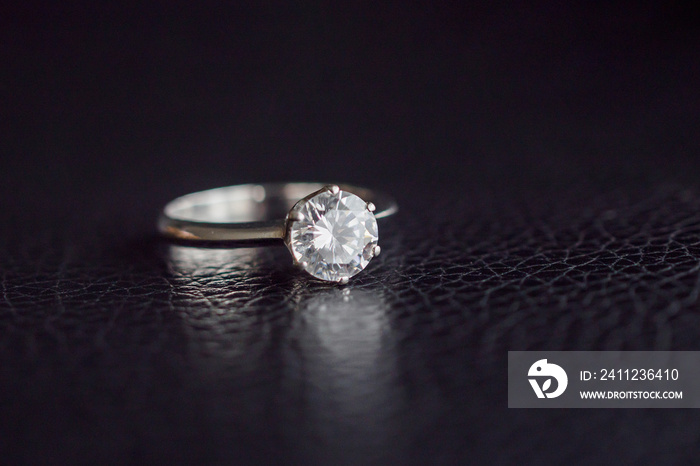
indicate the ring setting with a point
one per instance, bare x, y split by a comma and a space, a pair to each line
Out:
332, 234
330, 230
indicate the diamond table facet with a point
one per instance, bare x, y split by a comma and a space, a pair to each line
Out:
334, 236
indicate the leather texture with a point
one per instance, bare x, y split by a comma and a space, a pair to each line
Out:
544, 204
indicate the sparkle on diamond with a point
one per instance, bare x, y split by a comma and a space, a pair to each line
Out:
336, 237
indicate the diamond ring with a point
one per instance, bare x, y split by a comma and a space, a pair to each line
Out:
330, 230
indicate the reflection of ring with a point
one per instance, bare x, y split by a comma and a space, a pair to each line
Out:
329, 229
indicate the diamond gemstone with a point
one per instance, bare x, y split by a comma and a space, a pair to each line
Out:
336, 237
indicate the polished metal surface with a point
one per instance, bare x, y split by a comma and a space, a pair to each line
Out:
249, 212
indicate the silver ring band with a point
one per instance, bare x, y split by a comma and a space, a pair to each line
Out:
248, 212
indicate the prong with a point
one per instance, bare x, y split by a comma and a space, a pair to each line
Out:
333, 188
371, 207
296, 216
376, 250
344, 280
303, 264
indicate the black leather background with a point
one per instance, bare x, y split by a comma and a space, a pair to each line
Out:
545, 160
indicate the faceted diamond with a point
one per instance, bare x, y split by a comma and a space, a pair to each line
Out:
336, 237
